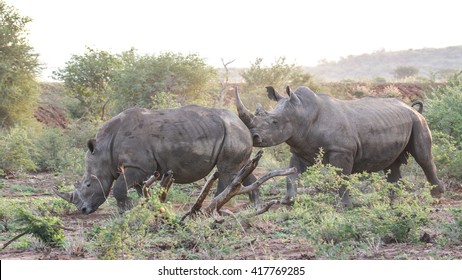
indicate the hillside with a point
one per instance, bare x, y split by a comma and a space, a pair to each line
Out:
428, 61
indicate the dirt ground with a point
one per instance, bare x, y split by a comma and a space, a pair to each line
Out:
287, 249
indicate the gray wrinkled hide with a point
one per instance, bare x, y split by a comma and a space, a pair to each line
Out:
190, 141
368, 134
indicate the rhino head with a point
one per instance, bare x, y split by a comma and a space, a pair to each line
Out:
273, 127
96, 183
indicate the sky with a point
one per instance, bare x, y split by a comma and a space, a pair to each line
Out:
303, 31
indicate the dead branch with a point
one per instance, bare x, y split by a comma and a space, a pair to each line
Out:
224, 84
148, 183
266, 207
235, 188
200, 200
14, 239
165, 183
265, 178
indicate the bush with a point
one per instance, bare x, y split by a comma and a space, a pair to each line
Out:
452, 230
64, 150
18, 219
125, 237
43, 227
447, 155
337, 232
50, 146
17, 150
141, 78
444, 107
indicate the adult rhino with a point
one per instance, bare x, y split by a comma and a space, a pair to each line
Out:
368, 134
190, 141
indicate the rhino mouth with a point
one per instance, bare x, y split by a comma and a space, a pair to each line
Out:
87, 210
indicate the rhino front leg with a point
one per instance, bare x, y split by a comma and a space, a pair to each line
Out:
301, 165
130, 177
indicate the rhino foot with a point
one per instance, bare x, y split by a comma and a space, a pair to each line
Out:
437, 192
288, 200
125, 205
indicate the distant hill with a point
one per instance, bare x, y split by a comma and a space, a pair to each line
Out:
428, 61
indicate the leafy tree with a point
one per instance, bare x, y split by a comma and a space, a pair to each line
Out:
402, 72
88, 78
18, 68
279, 74
142, 78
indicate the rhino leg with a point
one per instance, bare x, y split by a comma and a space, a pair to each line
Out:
301, 165
255, 195
394, 172
345, 163
131, 177
421, 149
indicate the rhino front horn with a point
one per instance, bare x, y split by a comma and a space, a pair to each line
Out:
69, 197
245, 115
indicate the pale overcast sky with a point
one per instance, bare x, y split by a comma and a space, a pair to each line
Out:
305, 32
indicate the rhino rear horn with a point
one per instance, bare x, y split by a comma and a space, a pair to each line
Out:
245, 115
69, 197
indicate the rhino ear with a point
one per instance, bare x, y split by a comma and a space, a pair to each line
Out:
292, 96
91, 144
273, 94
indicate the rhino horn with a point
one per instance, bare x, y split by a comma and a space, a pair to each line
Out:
260, 110
69, 197
245, 115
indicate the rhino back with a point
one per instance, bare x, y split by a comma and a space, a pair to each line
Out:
380, 128
187, 141
375, 131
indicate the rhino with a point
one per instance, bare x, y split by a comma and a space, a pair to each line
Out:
363, 135
189, 141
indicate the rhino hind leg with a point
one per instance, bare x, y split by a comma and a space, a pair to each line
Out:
345, 163
394, 173
254, 196
421, 149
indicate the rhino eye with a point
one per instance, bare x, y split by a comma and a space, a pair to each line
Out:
88, 184
275, 122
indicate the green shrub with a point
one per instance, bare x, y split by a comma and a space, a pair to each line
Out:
447, 155
17, 150
18, 218
452, 230
444, 106
337, 232
50, 144
45, 228
126, 236
64, 150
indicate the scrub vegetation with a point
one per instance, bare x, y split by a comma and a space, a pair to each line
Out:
44, 128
